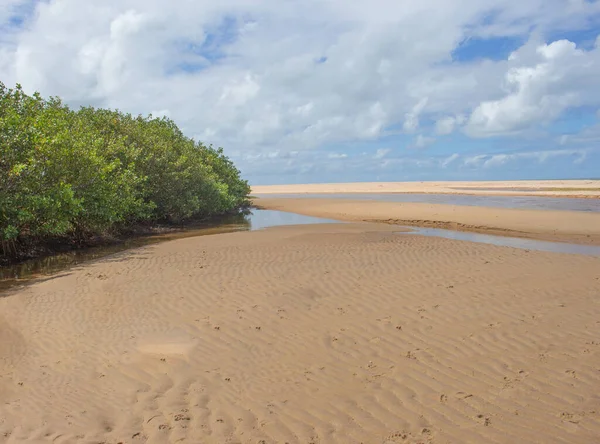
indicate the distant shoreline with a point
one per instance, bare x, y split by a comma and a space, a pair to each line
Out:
548, 225
582, 189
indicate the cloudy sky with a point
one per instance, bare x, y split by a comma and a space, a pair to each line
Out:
334, 90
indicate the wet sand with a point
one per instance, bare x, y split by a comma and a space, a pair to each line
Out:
560, 226
338, 333
29, 271
555, 188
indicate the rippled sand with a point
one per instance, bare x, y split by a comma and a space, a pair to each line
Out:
313, 334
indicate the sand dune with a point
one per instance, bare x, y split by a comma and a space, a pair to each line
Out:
561, 188
313, 334
562, 226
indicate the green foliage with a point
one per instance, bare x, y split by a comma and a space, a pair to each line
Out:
72, 174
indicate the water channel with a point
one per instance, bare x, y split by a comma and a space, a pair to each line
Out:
258, 219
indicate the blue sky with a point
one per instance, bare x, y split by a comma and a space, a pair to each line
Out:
324, 91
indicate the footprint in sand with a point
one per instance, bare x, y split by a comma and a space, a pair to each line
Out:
422, 437
181, 417
573, 418
484, 419
463, 395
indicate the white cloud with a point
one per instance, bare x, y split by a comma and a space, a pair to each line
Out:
541, 86
448, 160
447, 125
381, 153
422, 141
496, 160
315, 164
475, 161
411, 119
278, 77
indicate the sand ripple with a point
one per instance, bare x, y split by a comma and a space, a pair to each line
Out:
314, 334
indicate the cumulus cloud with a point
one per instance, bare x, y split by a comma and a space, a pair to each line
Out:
268, 76
497, 160
411, 119
422, 141
381, 153
447, 125
541, 85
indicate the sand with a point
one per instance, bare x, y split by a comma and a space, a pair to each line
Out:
557, 188
561, 226
311, 334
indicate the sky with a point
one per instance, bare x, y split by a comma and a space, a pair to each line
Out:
305, 91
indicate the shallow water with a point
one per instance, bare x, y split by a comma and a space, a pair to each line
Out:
525, 202
270, 218
257, 220
515, 242
47, 266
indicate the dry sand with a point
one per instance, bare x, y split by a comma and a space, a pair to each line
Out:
563, 226
312, 334
560, 188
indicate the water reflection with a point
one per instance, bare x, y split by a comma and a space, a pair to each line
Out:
515, 242
46, 266
270, 218
527, 202
254, 220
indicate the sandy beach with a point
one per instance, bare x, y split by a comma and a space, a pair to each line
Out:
559, 226
341, 333
555, 188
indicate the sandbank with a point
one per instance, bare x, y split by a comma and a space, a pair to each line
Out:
552, 188
561, 226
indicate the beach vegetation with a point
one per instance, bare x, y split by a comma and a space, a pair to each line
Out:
68, 175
